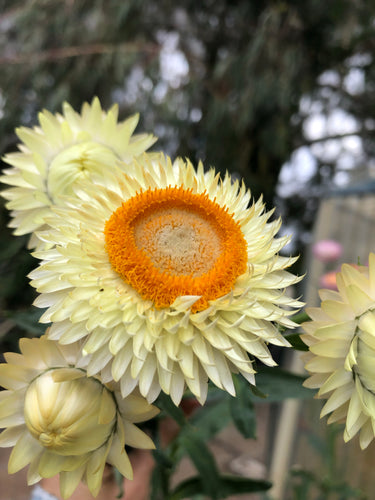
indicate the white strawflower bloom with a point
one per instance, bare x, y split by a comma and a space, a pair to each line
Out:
170, 275
341, 340
63, 149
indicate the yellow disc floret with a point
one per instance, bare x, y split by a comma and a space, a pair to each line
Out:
171, 242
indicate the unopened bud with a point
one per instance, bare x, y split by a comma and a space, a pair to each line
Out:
67, 416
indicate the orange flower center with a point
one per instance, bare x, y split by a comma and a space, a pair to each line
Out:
170, 242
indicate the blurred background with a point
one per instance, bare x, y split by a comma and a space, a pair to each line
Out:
280, 93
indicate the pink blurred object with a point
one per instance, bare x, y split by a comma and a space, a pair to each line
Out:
328, 280
327, 250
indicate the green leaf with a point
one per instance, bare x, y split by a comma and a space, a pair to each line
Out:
242, 409
280, 384
165, 403
119, 479
159, 482
28, 320
212, 417
187, 489
204, 462
257, 392
9, 247
295, 340
300, 317
229, 485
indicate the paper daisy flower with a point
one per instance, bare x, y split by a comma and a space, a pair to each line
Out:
170, 275
341, 340
61, 150
62, 422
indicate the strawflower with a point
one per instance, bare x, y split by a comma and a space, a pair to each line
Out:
62, 149
341, 340
60, 421
170, 275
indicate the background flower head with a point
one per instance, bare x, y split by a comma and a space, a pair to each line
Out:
62, 422
341, 340
327, 250
61, 150
170, 275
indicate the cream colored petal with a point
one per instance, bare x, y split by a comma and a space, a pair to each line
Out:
33, 475
338, 311
329, 295
366, 435
67, 332
107, 410
355, 418
137, 438
128, 383
371, 271
118, 457
70, 480
338, 378
186, 361
15, 377
25, 450
225, 374
331, 348
177, 387
136, 409
338, 398
358, 299
97, 339
11, 408
338, 415
99, 360
353, 276
367, 322
10, 436
118, 340
317, 314
323, 365
203, 350
65, 374
121, 361
51, 463
147, 374
95, 469
315, 381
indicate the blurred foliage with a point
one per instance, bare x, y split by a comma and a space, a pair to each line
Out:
218, 80
198, 427
330, 483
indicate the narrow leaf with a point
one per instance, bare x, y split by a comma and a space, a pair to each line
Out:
204, 462
165, 403
242, 409
295, 340
229, 485
280, 384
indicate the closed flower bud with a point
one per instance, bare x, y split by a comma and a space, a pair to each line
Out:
65, 416
61, 421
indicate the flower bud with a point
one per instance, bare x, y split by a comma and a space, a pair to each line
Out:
65, 416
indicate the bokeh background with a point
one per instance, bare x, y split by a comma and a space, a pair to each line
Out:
280, 93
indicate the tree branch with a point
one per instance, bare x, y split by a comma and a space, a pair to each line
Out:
53, 55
